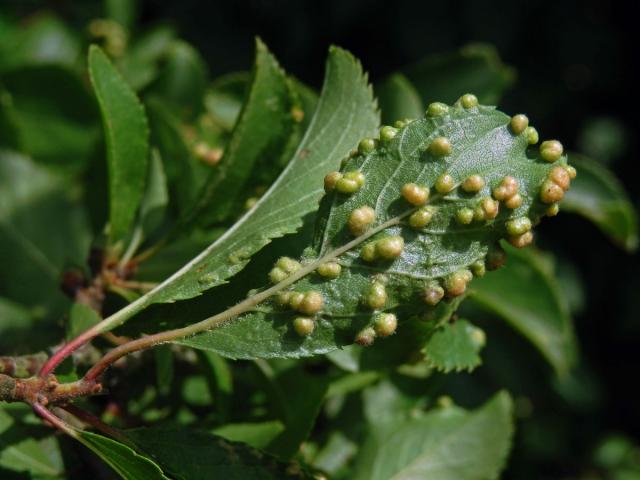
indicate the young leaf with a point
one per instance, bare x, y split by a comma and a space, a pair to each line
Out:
474, 68
598, 196
455, 346
399, 263
446, 444
126, 133
156, 197
262, 129
528, 297
398, 99
188, 454
345, 113
129, 464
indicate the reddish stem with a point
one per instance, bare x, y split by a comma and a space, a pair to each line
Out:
70, 347
49, 416
90, 419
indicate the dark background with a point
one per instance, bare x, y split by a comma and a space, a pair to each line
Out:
576, 63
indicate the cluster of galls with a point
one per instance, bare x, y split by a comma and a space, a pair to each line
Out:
307, 303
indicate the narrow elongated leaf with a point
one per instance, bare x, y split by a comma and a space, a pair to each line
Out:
129, 464
262, 129
432, 258
446, 444
474, 68
126, 133
527, 296
455, 347
256, 435
598, 196
345, 113
189, 454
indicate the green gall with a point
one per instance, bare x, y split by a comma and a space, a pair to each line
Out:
496, 258
250, 202
508, 188
399, 124
421, 217
532, 135
330, 270
473, 184
344, 185
283, 299
366, 145
560, 177
416, 195
519, 123
330, 181
295, 299
432, 294
521, 241
571, 171
304, 326
360, 220
445, 183
356, 176
469, 100
464, 216
551, 150
436, 109
513, 202
478, 268
368, 252
440, 147
376, 297
388, 133
479, 214
311, 303
550, 192
444, 401
518, 226
277, 275
478, 337
455, 284
552, 210
390, 247
289, 265
385, 324
365, 337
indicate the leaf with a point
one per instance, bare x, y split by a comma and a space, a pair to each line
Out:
223, 100
81, 318
475, 68
182, 80
164, 368
262, 129
55, 118
528, 297
598, 196
156, 197
23, 448
345, 113
398, 99
256, 435
126, 133
220, 378
432, 257
455, 346
188, 454
445, 444
129, 464
122, 11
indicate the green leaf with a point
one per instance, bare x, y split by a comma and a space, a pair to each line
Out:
220, 379
445, 444
81, 318
164, 368
475, 68
156, 197
129, 464
526, 294
597, 195
256, 435
261, 131
189, 454
398, 99
55, 117
345, 113
122, 11
223, 100
24, 448
455, 346
432, 257
182, 80
126, 132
